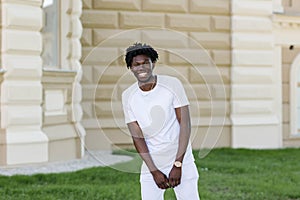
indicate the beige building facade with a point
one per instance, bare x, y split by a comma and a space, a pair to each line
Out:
63, 72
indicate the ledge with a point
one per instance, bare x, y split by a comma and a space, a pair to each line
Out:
58, 70
259, 120
58, 76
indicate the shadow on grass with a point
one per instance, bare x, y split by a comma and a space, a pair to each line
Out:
132, 166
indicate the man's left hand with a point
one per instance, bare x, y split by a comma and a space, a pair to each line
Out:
175, 176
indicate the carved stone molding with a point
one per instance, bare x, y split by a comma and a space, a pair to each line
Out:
281, 21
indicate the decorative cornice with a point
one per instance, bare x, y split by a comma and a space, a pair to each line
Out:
283, 21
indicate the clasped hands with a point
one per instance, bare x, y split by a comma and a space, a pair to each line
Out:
163, 182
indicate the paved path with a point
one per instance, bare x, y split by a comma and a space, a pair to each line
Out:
91, 159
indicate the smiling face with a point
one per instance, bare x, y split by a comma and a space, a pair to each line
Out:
142, 68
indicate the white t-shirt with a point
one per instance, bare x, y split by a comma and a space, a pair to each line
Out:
154, 111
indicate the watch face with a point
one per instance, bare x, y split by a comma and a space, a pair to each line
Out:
177, 164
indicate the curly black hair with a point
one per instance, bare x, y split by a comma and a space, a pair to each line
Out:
140, 49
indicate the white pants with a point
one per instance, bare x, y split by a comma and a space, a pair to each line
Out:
187, 190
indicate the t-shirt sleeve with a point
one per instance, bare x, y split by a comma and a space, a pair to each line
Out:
180, 98
128, 114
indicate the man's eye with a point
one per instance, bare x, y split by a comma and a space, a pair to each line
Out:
146, 63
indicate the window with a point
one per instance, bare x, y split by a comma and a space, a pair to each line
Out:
51, 50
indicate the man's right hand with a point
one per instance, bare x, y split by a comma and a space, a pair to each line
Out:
160, 179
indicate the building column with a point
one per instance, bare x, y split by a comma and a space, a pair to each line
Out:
75, 64
21, 90
254, 100
62, 89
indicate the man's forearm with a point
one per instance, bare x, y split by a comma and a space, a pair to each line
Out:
185, 132
140, 144
183, 143
143, 151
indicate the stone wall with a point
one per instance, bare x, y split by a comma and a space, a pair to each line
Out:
255, 96
21, 89
40, 109
177, 29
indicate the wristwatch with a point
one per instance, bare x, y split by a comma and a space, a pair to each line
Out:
177, 163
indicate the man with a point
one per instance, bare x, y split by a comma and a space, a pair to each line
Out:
157, 115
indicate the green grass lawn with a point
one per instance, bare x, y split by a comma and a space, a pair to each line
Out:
224, 174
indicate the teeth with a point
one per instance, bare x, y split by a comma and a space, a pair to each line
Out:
143, 74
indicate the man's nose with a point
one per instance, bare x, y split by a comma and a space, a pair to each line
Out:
140, 66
